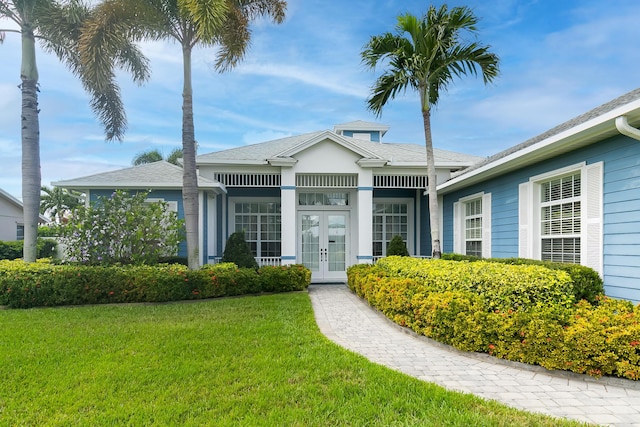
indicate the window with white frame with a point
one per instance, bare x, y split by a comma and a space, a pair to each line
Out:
20, 232
560, 219
261, 223
560, 216
390, 218
472, 225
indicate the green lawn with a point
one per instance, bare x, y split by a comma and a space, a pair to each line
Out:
254, 361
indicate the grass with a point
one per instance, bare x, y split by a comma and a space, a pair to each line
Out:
255, 361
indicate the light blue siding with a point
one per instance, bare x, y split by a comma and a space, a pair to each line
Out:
375, 134
621, 210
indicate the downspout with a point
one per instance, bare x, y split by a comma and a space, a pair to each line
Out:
624, 128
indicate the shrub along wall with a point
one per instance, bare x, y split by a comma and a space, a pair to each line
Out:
25, 285
586, 282
597, 340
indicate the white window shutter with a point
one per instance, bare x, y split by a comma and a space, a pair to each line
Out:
458, 229
592, 231
486, 225
524, 219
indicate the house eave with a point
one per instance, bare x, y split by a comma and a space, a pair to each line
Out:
371, 163
283, 162
581, 135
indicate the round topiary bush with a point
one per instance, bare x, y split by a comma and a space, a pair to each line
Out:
397, 247
238, 251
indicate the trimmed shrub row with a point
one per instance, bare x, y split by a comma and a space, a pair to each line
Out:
42, 284
594, 340
586, 282
502, 287
46, 248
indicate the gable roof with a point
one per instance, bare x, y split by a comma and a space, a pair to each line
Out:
593, 126
14, 201
393, 154
157, 175
8, 197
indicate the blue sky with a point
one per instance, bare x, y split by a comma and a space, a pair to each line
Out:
558, 60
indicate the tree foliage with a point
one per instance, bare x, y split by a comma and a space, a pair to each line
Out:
118, 24
59, 202
425, 55
123, 228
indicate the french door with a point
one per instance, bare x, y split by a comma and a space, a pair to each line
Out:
323, 243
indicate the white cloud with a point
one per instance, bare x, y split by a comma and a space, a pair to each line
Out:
254, 137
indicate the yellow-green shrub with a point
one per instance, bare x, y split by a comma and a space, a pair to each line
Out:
602, 339
501, 286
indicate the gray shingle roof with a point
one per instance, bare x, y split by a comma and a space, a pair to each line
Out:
151, 175
392, 152
583, 118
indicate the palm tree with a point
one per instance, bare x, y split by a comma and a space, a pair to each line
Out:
59, 201
56, 25
189, 22
154, 155
426, 55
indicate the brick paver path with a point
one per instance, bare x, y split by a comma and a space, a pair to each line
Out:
350, 322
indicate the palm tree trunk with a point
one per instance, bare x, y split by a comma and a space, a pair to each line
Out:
434, 209
30, 145
189, 175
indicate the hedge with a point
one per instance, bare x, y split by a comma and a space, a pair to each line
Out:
587, 284
24, 285
46, 248
502, 286
596, 340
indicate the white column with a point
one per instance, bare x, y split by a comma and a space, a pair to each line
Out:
365, 217
288, 215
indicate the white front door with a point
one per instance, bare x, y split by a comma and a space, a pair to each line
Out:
323, 244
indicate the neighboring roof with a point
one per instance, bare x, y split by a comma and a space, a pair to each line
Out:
393, 153
10, 198
157, 175
14, 201
361, 126
588, 128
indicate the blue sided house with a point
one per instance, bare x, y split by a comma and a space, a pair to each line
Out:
333, 198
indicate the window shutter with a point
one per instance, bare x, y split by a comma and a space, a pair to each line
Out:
486, 225
524, 215
458, 229
592, 233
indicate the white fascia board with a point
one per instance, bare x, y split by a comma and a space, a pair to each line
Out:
232, 162
589, 129
371, 163
284, 162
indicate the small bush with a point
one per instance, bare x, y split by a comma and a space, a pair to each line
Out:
13, 250
397, 247
237, 251
294, 277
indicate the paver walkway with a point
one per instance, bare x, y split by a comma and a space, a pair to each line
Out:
349, 321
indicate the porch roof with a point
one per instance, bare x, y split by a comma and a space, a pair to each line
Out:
157, 175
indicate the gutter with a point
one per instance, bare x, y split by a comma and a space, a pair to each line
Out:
626, 129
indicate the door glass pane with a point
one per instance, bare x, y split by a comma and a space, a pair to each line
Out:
311, 241
337, 227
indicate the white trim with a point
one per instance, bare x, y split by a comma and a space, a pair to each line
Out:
459, 225
557, 172
591, 216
